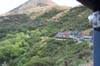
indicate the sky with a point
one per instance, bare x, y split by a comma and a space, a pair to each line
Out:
7, 5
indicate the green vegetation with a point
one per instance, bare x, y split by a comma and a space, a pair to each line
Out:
27, 49
27, 42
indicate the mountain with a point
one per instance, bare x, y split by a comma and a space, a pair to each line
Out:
31, 5
27, 36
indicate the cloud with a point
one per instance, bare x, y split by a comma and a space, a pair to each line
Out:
71, 3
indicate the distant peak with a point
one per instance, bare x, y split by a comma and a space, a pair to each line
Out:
41, 2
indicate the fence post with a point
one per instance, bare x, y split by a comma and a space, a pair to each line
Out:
96, 48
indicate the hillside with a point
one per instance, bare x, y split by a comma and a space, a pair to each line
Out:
26, 39
73, 19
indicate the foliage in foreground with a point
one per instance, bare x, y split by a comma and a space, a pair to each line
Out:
27, 49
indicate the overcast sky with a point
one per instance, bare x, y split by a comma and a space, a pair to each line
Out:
6, 5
